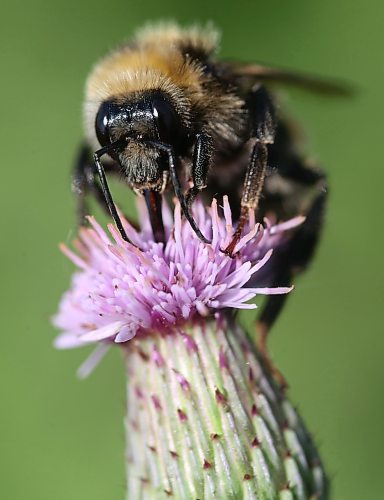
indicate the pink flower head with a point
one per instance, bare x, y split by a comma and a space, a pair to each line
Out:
122, 290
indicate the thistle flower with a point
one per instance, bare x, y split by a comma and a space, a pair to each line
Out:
123, 290
205, 418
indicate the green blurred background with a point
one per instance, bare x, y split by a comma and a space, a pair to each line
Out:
63, 439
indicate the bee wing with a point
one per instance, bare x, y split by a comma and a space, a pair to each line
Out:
268, 74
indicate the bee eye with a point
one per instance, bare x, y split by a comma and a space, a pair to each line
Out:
110, 115
167, 119
102, 123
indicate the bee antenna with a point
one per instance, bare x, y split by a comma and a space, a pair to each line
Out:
167, 148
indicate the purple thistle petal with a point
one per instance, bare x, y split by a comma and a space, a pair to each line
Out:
68, 340
87, 367
105, 332
122, 290
277, 290
78, 261
287, 225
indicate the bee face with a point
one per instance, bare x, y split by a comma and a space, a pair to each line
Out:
142, 119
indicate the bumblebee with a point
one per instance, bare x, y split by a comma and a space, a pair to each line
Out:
168, 117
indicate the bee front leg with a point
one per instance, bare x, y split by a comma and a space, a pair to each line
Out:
84, 182
200, 166
172, 163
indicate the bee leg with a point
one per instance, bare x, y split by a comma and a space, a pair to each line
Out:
263, 131
253, 184
200, 167
268, 316
294, 258
107, 193
84, 182
289, 262
177, 186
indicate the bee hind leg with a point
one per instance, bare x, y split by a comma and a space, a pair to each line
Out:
288, 263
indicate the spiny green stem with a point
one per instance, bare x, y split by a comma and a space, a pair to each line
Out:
206, 421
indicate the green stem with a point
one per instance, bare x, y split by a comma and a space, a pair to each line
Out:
206, 421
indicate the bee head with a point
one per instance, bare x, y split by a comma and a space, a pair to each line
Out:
139, 117
142, 119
